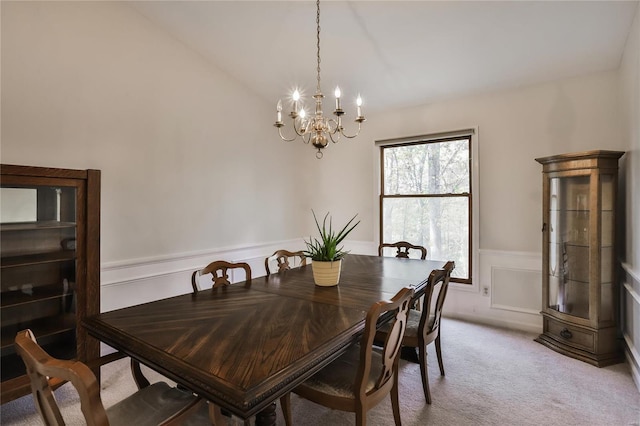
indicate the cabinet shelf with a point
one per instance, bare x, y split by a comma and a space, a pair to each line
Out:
20, 297
578, 311
572, 280
45, 330
34, 226
59, 345
573, 244
37, 258
578, 210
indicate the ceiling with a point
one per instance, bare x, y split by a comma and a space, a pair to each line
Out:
394, 53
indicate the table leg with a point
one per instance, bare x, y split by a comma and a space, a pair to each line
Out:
267, 417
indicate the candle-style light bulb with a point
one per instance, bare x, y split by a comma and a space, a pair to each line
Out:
296, 97
359, 104
279, 111
302, 114
337, 93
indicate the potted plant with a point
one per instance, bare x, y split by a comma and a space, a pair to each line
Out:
326, 253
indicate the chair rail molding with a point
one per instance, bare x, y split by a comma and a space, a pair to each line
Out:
134, 281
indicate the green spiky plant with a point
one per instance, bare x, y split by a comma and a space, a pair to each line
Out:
327, 247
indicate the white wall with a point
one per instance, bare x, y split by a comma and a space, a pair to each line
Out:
514, 128
96, 85
630, 101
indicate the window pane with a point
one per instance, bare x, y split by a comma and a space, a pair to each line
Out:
440, 224
429, 168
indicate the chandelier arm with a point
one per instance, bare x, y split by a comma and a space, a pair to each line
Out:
300, 131
352, 136
284, 138
335, 133
336, 126
306, 138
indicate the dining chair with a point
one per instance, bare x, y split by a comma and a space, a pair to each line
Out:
423, 327
281, 259
362, 377
156, 404
219, 273
220, 277
403, 248
402, 251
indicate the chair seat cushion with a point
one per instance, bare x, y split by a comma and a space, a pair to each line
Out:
149, 406
338, 378
413, 321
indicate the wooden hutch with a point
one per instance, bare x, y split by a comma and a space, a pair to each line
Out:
50, 264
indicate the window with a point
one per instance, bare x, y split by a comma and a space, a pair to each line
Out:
426, 198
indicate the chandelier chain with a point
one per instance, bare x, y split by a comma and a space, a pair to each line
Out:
318, 42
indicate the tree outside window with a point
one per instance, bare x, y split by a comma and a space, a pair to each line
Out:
426, 199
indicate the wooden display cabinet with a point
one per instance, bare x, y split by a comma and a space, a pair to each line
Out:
579, 288
50, 264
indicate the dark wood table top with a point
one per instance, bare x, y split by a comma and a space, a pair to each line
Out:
245, 345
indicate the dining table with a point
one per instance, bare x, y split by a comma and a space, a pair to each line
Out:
244, 345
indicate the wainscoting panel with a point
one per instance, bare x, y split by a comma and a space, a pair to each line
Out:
630, 316
513, 280
516, 289
506, 293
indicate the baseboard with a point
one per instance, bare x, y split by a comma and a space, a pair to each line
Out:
509, 323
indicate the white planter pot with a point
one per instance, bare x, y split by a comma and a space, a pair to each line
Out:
326, 274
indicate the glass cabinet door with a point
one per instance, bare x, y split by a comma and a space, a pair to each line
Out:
38, 266
569, 216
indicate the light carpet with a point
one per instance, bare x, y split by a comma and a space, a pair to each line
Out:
493, 377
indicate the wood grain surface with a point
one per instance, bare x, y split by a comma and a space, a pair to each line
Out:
243, 346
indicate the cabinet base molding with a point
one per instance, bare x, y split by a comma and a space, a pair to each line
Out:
599, 347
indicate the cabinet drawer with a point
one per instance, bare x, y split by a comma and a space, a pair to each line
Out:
570, 335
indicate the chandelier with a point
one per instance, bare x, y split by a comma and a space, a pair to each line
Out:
317, 128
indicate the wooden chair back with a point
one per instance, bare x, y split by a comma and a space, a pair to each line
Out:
403, 248
399, 305
219, 273
437, 286
157, 404
281, 259
40, 367
362, 377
